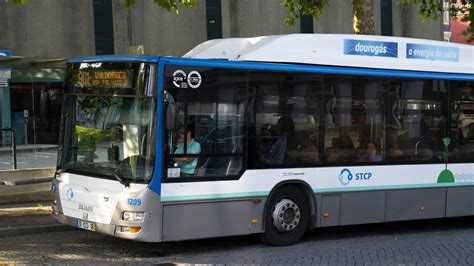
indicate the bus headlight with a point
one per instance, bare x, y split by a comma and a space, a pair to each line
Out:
133, 216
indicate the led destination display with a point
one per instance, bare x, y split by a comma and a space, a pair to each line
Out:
104, 78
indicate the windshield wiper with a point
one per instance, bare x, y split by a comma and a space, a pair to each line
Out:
123, 180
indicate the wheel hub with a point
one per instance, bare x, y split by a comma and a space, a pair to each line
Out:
286, 215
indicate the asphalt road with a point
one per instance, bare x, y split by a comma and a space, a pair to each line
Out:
432, 242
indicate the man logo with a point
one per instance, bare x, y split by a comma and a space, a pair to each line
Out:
345, 177
69, 194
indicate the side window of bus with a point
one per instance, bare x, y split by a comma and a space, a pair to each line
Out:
417, 120
285, 131
461, 148
207, 136
354, 123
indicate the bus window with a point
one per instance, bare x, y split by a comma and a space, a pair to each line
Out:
354, 128
207, 137
462, 122
286, 120
108, 121
417, 123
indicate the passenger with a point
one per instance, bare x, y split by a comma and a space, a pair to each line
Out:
286, 125
336, 154
187, 164
395, 151
312, 147
470, 133
360, 150
273, 148
346, 142
371, 155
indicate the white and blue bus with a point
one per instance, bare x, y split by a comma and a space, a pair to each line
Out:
270, 135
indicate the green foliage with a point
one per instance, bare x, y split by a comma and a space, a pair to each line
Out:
94, 106
428, 9
18, 2
168, 5
433, 9
296, 8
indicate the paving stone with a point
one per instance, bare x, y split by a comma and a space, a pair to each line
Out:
441, 242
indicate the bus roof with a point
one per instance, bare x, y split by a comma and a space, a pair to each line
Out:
114, 58
343, 50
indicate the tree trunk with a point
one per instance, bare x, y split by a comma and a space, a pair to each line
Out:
363, 11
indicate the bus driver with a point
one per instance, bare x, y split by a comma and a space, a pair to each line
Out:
187, 164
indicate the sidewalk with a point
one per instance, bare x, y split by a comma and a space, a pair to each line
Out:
29, 156
31, 147
25, 219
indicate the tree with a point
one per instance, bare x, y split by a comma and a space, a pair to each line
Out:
364, 14
462, 10
362, 10
168, 5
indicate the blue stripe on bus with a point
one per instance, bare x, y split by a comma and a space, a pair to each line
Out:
325, 190
155, 184
316, 69
114, 58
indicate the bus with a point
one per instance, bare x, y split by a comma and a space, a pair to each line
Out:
271, 135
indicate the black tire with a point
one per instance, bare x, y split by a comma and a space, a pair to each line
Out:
272, 235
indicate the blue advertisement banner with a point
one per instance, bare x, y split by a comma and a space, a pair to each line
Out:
370, 48
432, 52
5, 53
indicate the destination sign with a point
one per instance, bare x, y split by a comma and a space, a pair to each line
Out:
104, 78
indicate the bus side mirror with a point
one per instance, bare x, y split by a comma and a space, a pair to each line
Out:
170, 111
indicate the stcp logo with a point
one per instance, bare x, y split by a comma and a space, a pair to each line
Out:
346, 177
69, 194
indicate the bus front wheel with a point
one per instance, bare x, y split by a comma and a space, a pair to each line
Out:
286, 216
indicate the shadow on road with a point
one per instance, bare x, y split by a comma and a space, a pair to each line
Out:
321, 235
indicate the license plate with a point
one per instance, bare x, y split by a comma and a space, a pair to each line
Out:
85, 225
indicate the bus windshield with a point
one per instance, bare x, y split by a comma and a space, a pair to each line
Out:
108, 121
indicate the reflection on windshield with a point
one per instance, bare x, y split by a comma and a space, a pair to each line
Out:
109, 136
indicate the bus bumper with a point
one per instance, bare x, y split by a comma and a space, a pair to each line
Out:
148, 229
122, 230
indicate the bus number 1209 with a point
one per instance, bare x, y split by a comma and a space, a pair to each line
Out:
134, 201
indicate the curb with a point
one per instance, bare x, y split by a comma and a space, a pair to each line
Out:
32, 230
25, 213
29, 150
25, 210
26, 198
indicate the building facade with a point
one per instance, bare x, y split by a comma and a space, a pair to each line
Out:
62, 28
57, 29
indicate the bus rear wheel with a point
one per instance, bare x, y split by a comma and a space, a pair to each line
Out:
286, 217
